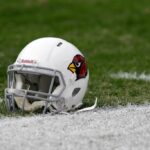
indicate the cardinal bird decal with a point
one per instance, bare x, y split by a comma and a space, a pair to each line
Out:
78, 66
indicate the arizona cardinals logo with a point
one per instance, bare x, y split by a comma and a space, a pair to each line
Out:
78, 66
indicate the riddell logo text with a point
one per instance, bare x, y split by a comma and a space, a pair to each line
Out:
27, 61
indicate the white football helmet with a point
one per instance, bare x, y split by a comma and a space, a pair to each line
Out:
50, 74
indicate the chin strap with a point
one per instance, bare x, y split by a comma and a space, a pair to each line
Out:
28, 107
83, 109
24, 104
88, 108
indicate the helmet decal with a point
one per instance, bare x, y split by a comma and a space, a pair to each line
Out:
78, 66
27, 61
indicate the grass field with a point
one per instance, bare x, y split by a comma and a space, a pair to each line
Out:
114, 35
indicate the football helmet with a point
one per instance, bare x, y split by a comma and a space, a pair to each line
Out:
49, 74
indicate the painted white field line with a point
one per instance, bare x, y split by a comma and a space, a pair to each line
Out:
131, 76
124, 128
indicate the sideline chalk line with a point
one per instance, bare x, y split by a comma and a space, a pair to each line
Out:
131, 76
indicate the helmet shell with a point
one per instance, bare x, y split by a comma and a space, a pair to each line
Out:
57, 54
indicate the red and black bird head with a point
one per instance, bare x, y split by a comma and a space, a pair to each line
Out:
78, 66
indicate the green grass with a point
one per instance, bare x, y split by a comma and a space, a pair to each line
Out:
114, 35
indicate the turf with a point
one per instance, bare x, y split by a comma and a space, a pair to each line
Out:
114, 36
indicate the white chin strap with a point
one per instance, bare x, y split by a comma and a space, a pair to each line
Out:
24, 104
89, 108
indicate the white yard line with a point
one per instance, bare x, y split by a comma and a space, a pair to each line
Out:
120, 129
131, 76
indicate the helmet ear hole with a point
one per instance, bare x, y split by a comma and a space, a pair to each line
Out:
75, 91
